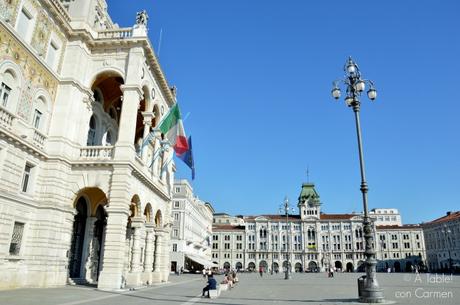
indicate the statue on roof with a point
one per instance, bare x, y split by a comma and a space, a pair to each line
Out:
142, 18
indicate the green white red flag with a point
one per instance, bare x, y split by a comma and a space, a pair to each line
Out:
173, 129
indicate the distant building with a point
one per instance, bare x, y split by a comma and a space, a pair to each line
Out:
442, 239
191, 231
312, 240
386, 217
400, 247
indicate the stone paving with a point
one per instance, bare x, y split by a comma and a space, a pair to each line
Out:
313, 288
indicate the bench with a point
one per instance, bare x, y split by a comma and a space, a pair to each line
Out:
223, 287
214, 293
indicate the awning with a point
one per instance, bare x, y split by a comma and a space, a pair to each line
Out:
200, 260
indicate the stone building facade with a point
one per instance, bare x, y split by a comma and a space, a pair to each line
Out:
191, 231
400, 247
442, 238
80, 199
310, 240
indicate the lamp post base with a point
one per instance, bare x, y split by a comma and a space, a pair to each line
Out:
369, 293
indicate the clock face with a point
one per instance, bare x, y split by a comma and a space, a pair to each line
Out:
152, 94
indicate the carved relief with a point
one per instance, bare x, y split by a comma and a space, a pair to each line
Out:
33, 71
42, 34
8, 10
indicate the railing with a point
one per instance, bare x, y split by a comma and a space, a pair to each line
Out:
39, 139
116, 33
96, 152
6, 118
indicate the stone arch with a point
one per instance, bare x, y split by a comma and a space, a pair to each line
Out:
106, 103
350, 267
88, 234
251, 266
105, 72
157, 116
312, 266
275, 267
238, 266
298, 267
148, 213
158, 219
135, 206
227, 266
263, 265
338, 265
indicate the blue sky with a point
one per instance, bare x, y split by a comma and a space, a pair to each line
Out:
255, 77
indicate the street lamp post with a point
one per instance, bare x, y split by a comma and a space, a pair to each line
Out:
285, 208
446, 231
370, 291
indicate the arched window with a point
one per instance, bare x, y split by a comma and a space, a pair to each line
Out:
8, 90
92, 132
39, 114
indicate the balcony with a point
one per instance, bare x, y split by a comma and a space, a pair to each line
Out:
116, 33
6, 118
96, 153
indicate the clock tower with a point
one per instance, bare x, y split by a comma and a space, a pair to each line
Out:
309, 204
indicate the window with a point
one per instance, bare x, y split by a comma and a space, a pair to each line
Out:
5, 92
52, 54
37, 119
176, 204
175, 233
16, 238
176, 216
27, 177
24, 24
177, 189
174, 248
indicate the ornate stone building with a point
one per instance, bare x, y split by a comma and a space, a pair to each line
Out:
80, 199
442, 238
312, 240
191, 231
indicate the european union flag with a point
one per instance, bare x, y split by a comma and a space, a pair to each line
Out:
187, 157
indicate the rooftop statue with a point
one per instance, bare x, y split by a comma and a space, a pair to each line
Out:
142, 18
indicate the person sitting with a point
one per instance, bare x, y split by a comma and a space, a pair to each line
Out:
211, 285
235, 278
230, 280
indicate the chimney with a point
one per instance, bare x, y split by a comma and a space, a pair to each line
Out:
448, 213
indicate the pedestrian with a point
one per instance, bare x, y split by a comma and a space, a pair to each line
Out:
261, 271
204, 272
211, 285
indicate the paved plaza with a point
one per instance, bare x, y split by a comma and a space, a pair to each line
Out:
313, 288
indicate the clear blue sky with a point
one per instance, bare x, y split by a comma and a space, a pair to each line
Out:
256, 76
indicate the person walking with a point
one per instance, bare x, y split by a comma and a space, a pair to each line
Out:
261, 271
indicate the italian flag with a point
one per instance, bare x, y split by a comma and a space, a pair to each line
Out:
173, 129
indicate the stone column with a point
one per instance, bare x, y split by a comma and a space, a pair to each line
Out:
148, 117
133, 277
165, 257
115, 232
160, 264
149, 249
124, 149
91, 258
